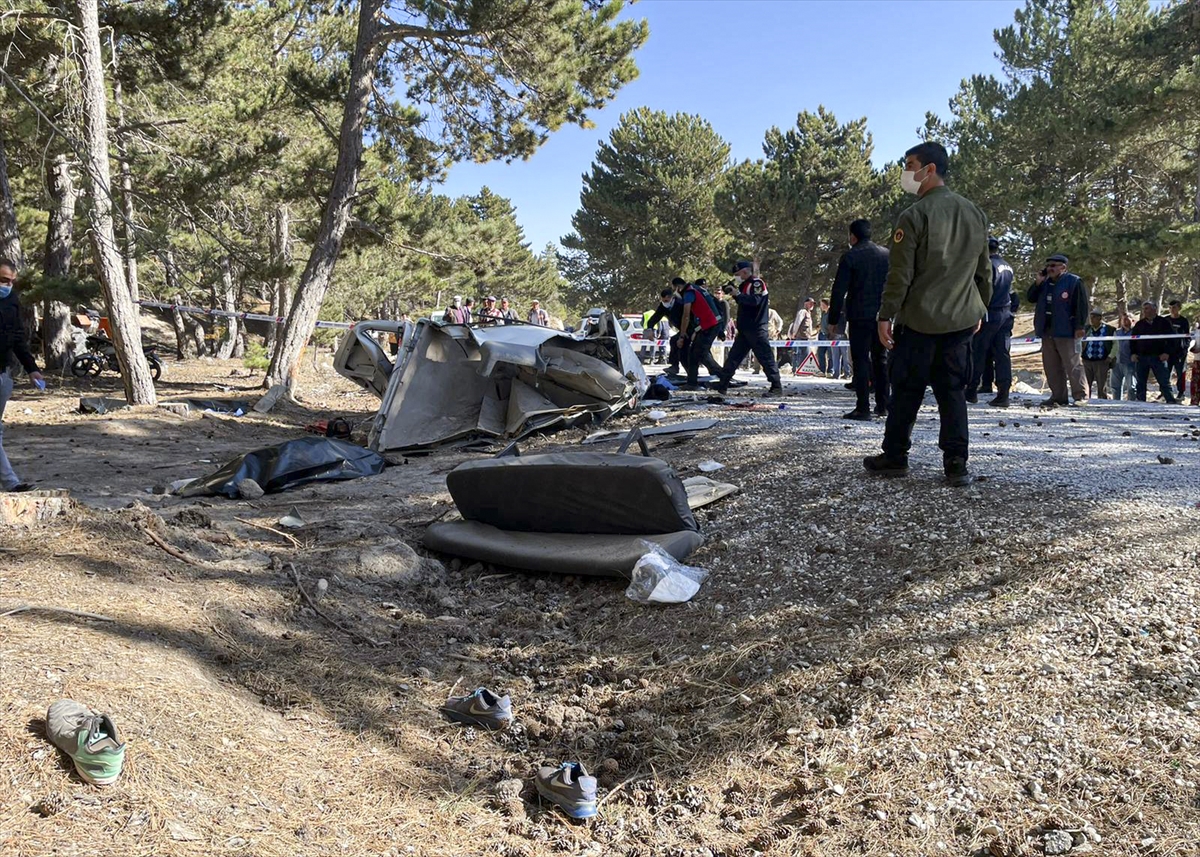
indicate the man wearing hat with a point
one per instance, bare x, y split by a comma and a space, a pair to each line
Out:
991, 343
1152, 355
489, 308
1060, 315
537, 315
1097, 354
1179, 325
753, 316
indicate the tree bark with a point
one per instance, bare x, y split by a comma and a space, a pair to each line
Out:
189, 334
239, 338
122, 313
281, 260
229, 304
318, 273
129, 251
1122, 292
1160, 284
60, 236
10, 238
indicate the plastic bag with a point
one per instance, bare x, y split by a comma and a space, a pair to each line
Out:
659, 578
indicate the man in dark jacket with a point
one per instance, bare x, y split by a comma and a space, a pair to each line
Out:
1179, 347
1152, 355
669, 307
12, 339
990, 345
857, 293
752, 336
1060, 314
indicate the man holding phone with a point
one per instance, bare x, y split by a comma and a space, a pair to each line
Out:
12, 338
1060, 303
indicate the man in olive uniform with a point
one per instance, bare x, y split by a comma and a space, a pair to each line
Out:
938, 287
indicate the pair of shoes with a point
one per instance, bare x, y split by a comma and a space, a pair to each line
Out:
956, 471
885, 465
570, 787
480, 708
776, 390
972, 397
1000, 401
856, 414
90, 739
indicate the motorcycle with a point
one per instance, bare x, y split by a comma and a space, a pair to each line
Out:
102, 354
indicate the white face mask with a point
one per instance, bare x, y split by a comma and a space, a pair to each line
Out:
908, 181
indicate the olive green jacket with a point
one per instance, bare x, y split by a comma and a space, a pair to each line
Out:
940, 274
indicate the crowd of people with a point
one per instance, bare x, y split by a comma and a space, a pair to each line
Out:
463, 311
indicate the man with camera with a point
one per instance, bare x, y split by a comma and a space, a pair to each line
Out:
1060, 303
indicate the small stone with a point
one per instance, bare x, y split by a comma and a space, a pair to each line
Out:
916, 821
1057, 842
248, 489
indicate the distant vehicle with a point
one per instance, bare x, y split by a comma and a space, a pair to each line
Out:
632, 325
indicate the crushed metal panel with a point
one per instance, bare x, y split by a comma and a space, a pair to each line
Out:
455, 382
363, 360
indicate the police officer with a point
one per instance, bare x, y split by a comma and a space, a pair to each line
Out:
938, 287
699, 325
857, 293
991, 343
670, 307
753, 317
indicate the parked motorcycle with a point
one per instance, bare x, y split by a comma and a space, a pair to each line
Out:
102, 354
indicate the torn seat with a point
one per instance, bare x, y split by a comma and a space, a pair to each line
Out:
572, 513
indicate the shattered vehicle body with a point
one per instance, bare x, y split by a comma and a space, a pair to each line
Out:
454, 384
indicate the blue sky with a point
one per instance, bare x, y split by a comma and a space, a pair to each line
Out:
746, 65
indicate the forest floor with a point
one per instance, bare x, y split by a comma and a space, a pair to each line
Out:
872, 667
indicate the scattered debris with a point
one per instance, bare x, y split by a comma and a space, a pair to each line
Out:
292, 519
269, 399
701, 491
688, 427
101, 405
709, 466
658, 578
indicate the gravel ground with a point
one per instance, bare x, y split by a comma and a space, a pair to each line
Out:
873, 667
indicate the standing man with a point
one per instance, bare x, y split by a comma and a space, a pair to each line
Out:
537, 315
669, 312
489, 308
802, 329
752, 336
1097, 359
1194, 350
698, 328
857, 294
1060, 312
1123, 369
1179, 347
455, 314
12, 339
938, 286
991, 343
1152, 355
506, 311
469, 311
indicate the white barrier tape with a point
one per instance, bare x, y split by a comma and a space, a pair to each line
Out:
842, 343
250, 316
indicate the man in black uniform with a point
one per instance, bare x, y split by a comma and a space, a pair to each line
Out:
752, 336
669, 307
1179, 348
938, 287
858, 291
991, 343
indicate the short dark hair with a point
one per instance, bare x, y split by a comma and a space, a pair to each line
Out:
666, 293
8, 263
931, 153
861, 229
699, 282
679, 281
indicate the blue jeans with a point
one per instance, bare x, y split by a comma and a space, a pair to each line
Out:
1144, 366
1121, 381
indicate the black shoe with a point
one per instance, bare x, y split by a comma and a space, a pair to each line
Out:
721, 387
1000, 401
884, 465
20, 487
774, 391
972, 397
849, 386
856, 414
881, 410
672, 370
957, 474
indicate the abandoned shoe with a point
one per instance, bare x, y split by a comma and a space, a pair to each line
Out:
957, 474
481, 708
90, 739
885, 465
569, 787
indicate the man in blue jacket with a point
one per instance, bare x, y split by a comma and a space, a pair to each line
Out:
1060, 315
753, 312
991, 342
857, 294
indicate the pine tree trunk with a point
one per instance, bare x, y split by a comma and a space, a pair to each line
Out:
1160, 285
1122, 293
239, 338
318, 273
122, 314
281, 259
10, 238
60, 236
229, 304
189, 334
129, 231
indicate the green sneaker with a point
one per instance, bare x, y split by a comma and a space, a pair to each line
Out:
90, 739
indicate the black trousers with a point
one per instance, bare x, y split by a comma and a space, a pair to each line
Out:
991, 344
920, 360
759, 342
673, 354
699, 353
868, 358
1178, 365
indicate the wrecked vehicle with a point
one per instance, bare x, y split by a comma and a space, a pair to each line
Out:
454, 383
